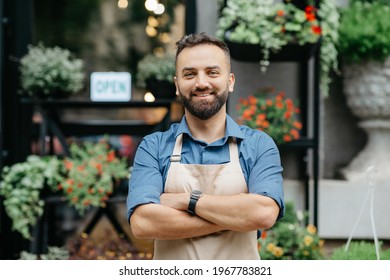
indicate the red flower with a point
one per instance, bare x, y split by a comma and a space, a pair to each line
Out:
247, 114
310, 9
111, 156
280, 13
294, 133
252, 100
316, 29
287, 138
69, 181
86, 202
310, 17
297, 125
99, 168
68, 164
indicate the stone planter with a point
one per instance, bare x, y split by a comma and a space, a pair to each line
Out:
367, 88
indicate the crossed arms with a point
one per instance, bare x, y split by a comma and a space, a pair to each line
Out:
170, 220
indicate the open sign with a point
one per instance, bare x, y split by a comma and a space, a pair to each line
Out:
110, 86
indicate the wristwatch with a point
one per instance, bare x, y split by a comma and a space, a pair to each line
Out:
195, 195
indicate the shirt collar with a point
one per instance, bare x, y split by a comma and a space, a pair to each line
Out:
232, 128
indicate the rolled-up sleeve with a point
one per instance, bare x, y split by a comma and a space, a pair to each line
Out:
146, 181
265, 176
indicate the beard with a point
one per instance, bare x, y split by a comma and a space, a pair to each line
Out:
204, 110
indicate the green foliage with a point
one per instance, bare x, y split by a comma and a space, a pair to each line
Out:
290, 239
21, 185
274, 25
50, 71
86, 179
359, 250
160, 67
365, 31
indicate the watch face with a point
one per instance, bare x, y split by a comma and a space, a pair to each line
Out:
197, 192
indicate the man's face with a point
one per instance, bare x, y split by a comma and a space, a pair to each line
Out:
203, 80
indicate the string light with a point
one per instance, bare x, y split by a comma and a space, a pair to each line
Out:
149, 97
151, 5
160, 9
150, 31
165, 37
122, 4
152, 21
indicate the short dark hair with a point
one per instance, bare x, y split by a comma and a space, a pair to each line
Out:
196, 39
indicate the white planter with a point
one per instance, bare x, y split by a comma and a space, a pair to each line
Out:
367, 88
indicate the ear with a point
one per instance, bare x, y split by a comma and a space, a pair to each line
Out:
232, 80
177, 87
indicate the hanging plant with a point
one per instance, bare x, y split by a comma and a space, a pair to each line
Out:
273, 26
21, 186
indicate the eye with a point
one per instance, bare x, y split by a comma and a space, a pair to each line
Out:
189, 75
213, 73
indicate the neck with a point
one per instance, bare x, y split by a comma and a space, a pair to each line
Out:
207, 130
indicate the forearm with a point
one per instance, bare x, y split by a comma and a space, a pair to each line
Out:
155, 221
242, 212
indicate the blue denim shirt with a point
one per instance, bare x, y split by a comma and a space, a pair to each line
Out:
258, 155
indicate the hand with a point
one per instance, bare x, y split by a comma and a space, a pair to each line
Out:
178, 201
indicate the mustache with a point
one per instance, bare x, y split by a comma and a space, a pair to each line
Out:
204, 90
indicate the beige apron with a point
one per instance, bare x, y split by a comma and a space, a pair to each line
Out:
218, 179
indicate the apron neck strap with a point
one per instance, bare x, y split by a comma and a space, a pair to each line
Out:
176, 155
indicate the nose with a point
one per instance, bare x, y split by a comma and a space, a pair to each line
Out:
202, 81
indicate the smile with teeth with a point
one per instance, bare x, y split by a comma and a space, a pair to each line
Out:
202, 94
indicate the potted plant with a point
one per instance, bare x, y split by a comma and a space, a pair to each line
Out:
21, 187
269, 28
276, 115
87, 178
50, 72
364, 49
91, 174
365, 31
155, 73
291, 239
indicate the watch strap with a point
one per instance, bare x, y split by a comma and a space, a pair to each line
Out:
194, 197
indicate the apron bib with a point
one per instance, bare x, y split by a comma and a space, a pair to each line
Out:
218, 179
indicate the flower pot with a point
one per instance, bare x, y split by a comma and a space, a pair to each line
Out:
298, 3
252, 52
161, 89
367, 89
